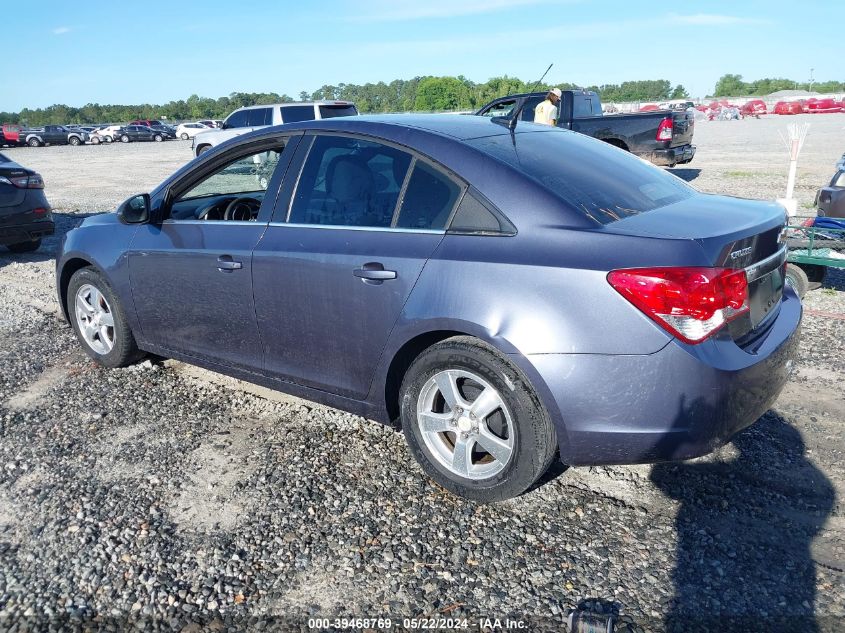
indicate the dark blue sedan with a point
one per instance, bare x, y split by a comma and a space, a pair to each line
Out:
507, 296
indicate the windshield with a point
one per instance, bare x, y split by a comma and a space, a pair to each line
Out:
329, 111
601, 181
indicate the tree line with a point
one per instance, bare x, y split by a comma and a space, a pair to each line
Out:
420, 94
734, 86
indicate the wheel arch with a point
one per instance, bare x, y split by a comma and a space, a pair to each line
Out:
68, 268
387, 402
617, 142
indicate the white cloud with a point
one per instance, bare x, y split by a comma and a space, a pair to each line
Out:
61, 30
391, 11
711, 19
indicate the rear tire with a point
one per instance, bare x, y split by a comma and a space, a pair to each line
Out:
797, 278
74, 141
124, 139
815, 275
92, 305
184, 136
109, 139
25, 247
493, 407
34, 142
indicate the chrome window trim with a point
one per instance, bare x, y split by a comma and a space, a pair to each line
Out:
342, 227
765, 266
207, 222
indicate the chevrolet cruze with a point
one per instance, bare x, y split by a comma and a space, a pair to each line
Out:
506, 296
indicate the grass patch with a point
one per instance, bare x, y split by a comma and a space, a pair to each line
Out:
740, 174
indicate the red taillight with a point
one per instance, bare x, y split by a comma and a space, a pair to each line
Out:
808, 222
33, 181
664, 130
690, 303
39, 211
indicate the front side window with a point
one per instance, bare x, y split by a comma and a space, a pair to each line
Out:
237, 119
503, 108
260, 116
232, 192
349, 182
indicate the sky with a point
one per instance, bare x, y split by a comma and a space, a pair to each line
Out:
153, 52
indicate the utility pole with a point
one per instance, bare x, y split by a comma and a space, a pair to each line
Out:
811, 80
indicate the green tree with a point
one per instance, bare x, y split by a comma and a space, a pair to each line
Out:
679, 92
731, 86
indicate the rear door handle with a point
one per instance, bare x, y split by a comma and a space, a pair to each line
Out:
225, 264
374, 273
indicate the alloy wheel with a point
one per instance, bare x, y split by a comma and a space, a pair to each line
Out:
465, 424
95, 319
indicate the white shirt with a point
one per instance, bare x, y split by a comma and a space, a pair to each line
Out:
545, 113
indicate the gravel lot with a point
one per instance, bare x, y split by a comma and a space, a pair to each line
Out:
163, 496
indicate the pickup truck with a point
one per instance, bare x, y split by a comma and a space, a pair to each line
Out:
255, 117
663, 137
53, 135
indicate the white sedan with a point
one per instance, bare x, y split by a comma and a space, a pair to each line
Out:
190, 130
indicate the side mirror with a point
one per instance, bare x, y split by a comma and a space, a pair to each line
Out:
135, 210
223, 125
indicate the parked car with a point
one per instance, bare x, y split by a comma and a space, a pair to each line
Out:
10, 134
140, 133
830, 200
663, 137
506, 296
146, 122
186, 131
209, 123
167, 130
53, 135
105, 134
251, 118
25, 214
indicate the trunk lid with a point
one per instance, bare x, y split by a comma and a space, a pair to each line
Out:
733, 233
10, 195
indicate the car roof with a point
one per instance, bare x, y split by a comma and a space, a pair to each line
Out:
296, 103
460, 127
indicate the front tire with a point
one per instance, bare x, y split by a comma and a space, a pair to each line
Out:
25, 247
473, 422
184, 136
158, 138
99, 320
109, 139
124, 139
74, 141
95, 140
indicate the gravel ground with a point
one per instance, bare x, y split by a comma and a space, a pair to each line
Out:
165, 497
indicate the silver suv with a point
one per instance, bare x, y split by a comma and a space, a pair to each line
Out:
250, 118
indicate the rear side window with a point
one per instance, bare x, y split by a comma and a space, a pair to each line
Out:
329, 111
292, 114
474, 216
599, 181
349, 182
428, 200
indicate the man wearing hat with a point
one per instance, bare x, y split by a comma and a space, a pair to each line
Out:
546, 112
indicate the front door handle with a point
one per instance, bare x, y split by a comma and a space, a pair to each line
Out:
374, 273
225, 264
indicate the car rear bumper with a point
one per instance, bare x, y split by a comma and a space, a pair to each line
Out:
681, 402
673, 155
19, 233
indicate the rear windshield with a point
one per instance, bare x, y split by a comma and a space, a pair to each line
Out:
329, 111
604, 183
